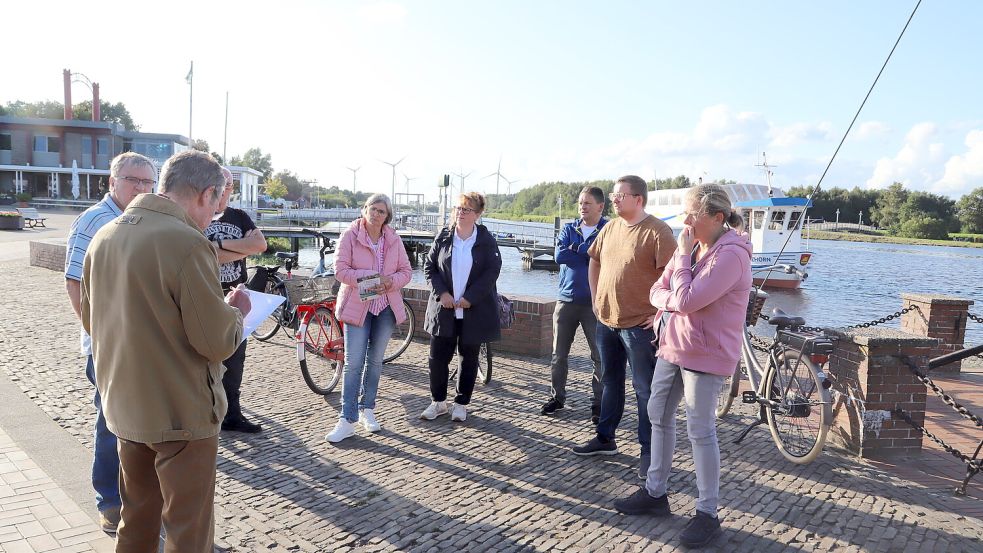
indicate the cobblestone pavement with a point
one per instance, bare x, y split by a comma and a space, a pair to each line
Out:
503, 481
35, 515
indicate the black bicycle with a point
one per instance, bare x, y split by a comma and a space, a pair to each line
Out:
484, 365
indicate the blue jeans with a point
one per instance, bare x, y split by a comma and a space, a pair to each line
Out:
105, 464
618, 347
365, 347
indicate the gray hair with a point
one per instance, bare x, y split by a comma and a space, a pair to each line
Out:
129, 159
712, 199
191, 172
380, 199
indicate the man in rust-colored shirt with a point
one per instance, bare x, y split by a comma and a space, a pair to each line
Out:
626, 259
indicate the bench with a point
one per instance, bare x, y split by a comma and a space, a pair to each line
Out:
31, 217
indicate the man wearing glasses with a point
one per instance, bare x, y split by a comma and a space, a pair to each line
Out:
626, 259
129, 174
236, 237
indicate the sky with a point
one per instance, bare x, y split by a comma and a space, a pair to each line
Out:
557, 90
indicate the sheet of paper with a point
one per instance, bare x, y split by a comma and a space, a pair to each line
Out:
262, 306
366, 285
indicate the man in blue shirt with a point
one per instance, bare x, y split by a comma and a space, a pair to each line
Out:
574, 305
129, 174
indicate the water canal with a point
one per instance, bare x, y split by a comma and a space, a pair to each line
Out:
849, 282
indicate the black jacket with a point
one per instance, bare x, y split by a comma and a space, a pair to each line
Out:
481, 319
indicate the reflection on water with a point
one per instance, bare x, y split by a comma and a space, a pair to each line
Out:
849, 282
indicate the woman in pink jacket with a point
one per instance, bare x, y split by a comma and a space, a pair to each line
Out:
369, 247
702, 299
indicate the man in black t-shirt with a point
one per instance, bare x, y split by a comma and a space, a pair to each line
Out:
237, 237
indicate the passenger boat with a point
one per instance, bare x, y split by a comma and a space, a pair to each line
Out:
773, 221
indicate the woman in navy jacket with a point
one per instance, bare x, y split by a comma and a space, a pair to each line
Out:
462, 313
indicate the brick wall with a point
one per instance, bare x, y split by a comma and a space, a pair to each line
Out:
941, 317
49, 254
531, 333
870, 381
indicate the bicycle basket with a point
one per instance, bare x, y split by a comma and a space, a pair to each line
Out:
317, 289
755, 302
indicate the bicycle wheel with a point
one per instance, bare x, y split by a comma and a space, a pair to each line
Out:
728, 391
799, 414
269, 326
402, 335
485, 363
322, 352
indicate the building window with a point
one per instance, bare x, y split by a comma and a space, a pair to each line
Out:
102, 146
51, 144
794, 219
777, 220
759, 217
5, 143
87, 145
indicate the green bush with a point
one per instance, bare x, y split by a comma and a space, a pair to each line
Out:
23, 197
924, 227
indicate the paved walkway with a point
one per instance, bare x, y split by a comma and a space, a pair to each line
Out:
502, 481
36, 514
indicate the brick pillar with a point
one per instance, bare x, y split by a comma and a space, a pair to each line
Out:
941, 317
531, 333
870, 381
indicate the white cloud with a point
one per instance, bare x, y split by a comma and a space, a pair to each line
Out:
964, 172
797, 133
918, 163
872, 129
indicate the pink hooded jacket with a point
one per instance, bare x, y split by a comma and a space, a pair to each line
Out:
354, 259
708, 304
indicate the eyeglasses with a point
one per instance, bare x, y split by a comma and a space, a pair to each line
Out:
146, 183
462, 209
378, 211
619, 196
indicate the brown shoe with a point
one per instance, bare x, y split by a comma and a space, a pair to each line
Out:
109, 520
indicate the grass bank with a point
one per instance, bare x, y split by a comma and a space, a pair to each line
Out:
885, 239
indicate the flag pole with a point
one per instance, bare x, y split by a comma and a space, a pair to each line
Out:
191, 98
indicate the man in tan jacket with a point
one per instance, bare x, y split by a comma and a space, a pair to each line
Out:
160, 328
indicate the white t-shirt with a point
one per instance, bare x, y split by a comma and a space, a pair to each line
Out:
461, 262
586, 230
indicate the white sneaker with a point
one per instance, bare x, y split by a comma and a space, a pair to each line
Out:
436, 409
367, 418
342, 430
459, 413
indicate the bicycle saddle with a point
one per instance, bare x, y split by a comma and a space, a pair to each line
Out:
781, 318
286, 255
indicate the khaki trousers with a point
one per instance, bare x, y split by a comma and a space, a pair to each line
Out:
169, 483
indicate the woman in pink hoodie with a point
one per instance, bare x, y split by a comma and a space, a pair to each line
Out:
369, 247
702, 299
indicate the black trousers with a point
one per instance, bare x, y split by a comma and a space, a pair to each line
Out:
232, 380
441, 353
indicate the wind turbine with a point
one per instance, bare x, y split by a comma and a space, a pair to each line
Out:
462, 176
510, 184
354, 174
393, 165
498, 174
408, 179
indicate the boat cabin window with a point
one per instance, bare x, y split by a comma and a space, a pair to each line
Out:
746, 214
794, 219
677, 199
759, 218
777, 220
663, 200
